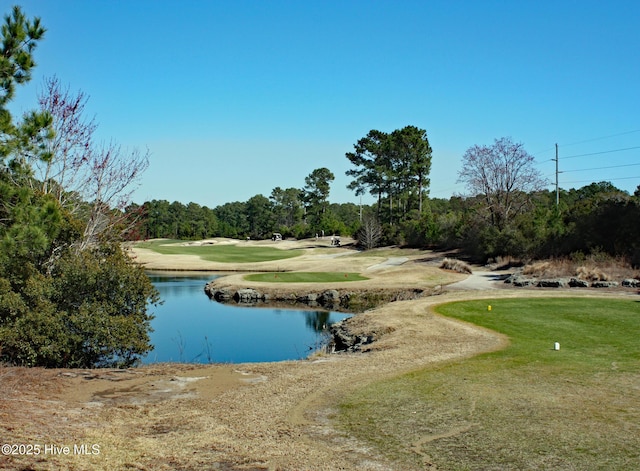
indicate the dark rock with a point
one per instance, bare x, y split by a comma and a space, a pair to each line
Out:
631, 283
342, 340
553, 283
221, 294
329, 299
308, 298
521, 281
345, 298
330, 296
604, 284
247, 295
578, 283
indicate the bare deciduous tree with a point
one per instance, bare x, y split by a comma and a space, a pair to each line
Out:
504, 175
370, 233
65, 169
78, 171
111, 180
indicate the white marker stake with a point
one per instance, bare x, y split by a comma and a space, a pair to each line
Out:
556, 346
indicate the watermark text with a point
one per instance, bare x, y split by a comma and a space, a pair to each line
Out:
35, 449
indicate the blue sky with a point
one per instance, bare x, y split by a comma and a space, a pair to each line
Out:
234, 98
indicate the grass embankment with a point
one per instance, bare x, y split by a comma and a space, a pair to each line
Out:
230, 253
305, 277
525, 407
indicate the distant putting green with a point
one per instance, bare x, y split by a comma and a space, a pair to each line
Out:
528, 406
305, 277
221, 253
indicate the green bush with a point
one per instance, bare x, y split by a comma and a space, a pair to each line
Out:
61, 306
391, 235
91, 311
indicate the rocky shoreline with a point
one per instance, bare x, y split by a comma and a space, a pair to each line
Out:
330, 299
519, 281
343, 338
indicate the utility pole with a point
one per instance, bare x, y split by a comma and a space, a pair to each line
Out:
557, 190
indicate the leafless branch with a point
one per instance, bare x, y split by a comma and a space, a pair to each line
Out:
80, 172
504, 175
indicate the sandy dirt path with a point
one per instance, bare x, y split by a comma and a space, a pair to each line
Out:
480, 280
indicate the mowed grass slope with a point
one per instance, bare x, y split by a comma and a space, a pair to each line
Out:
231, 253
305, 277
523, 408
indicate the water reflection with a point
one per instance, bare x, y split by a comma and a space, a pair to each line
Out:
317, 320
190, 327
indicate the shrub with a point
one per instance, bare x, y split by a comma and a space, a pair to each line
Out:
91, 311
591, 268
391, 235
456, 265
536, 269
591, 274
505, 262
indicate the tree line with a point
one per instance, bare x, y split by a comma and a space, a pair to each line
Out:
259, 217
506, 212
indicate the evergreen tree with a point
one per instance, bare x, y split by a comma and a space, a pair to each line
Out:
316, 195
62, 303
395, 165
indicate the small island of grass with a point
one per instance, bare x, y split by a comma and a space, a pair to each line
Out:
305, 277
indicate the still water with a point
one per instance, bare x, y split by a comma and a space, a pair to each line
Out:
189, 327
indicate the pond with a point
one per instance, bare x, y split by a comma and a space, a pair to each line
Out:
189, 327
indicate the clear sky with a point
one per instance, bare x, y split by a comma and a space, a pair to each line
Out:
234, 98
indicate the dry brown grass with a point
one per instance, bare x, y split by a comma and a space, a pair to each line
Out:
28, 415
588, 269
505, 262
591, 273
456, 265
536, 269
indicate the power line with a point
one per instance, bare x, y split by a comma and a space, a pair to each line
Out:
543, 152
599, 153
599, 168
601, 138
557, 172
584, 141
605, 179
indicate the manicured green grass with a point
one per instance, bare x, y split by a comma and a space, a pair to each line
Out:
305, 277
524, 407
221, 253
